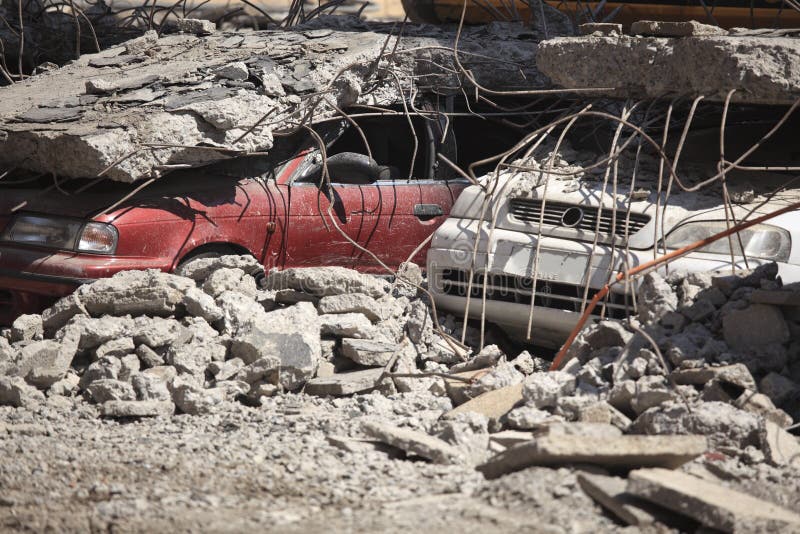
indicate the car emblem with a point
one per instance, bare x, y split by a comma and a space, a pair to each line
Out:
572, 217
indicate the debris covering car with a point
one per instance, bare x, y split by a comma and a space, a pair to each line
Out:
387, 198
572, 241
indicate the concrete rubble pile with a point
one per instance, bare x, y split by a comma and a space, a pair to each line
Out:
710, 401
199, 96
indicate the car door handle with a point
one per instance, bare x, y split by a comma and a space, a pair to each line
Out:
427, 211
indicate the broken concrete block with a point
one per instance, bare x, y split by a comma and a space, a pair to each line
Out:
14, 391
290, 334
760, 404
493, 404
509, 438
56, 316
368, 352
655, 298
603, 412
489, 356
361, 446
689, 28
736, 374
620, 451
610, 492
288, 297
723, 424
193, 358
587, 431
325, 369
348, 383
137, 408
326, 281
227, 369
99, 86
45, 362
26, 327
190, 398
352, 303
775, 297
200, 304
117, 348
754, 327
196, 26
458, 383
543, 389
151, 387
230, 279
262, 370
527, 417
502, 375
108, 389
353, 325
711, 504
603, 28
779, 447
778, 388
413, 442
148, 292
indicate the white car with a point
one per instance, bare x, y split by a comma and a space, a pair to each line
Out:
569, 259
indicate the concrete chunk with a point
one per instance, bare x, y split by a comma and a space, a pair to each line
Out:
493, 404
413, 442
712, 505
689, 28
622, 451
345, 383
779, 447
368, 352
143, 408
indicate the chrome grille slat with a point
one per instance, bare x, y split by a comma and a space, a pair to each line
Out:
530, 211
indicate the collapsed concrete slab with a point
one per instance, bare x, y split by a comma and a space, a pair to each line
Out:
622, 451
713, 505
150, 104
762, 70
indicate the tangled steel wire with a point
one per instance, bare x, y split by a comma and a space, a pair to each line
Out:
634, 126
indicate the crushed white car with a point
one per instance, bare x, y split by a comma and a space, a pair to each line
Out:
570, 240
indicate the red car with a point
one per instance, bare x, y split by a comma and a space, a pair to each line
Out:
388, 199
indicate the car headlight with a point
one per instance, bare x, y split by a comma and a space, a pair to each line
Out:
62, 233
762, 241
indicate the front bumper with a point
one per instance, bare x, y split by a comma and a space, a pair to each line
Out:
31, 279
564, 269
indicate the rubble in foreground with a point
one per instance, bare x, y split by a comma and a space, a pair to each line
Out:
311, 374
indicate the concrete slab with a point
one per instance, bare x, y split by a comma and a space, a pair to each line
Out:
348, 383
493, 404
711, 504
622, 451
413, 442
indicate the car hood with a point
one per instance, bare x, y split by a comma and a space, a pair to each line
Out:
756, 195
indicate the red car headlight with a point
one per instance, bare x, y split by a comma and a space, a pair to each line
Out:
62, 233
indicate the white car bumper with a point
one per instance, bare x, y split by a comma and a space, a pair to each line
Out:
563, 268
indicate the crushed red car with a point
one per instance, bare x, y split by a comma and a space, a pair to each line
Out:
388, 195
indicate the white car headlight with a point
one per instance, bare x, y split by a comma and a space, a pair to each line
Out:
761, 241
62, 233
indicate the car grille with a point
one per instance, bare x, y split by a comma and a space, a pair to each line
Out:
529, 210
517, 289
